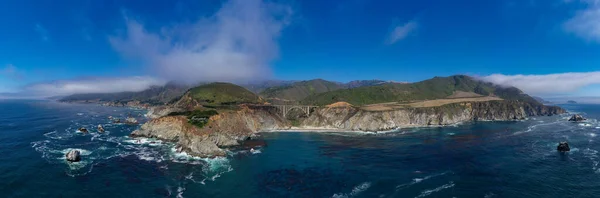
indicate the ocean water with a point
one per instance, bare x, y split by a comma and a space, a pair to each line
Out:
484, 159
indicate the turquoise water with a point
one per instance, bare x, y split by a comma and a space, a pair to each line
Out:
485, 159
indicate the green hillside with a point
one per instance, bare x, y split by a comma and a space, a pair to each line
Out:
435, 88
222, 94
300, 90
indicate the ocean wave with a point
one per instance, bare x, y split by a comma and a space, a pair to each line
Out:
55, 154
57, 136
103, 146
355, 191
430, 191
180, 191
534, 126
255, 151
149, 155
592, 155
418, 180
145, 141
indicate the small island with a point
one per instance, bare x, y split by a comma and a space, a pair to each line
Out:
571, 102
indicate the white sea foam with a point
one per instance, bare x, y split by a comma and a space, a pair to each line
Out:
592, 155
355, 191
429, 191
145, 141
55, 135
255, 151
81, 151
180, 191
489, 195
418, 180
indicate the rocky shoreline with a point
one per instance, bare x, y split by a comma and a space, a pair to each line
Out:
227, 129
356, 119
232, 128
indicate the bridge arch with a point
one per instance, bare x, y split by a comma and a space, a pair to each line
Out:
285, 109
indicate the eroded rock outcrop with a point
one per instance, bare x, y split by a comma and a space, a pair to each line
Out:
131, 121
577, 118
563, 147
352, 118
73, 156
226, 129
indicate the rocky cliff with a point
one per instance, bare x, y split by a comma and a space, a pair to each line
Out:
231, 127
227, 129
356, 119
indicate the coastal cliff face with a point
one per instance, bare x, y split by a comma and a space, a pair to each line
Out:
352, 118
230, 128
224, 130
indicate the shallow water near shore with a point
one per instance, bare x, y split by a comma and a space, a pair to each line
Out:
484, 159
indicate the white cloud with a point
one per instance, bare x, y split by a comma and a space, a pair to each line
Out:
90, 85
586, 22
401, 31
42, 31
562, 83
237, 43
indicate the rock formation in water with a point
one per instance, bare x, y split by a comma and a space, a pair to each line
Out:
577, 118
73, 156
83, 130
131, 120
356, 119
100, 128
563, 147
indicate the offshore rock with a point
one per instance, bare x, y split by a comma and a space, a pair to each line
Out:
73, 156
131, 120
83, 129
577, 118
563, 147
357, 119
100, 128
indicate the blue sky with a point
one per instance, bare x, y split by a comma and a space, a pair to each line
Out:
545, 47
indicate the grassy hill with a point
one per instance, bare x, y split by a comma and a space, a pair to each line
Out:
300, 90
260, 86
222, 94
363, 83
435, 88
155, 95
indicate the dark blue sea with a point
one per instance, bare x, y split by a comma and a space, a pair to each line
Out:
484, 159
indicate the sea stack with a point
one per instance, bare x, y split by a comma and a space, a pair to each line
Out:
83, 130
131, 120
73, 155
563, 147
577, 118
100, 128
